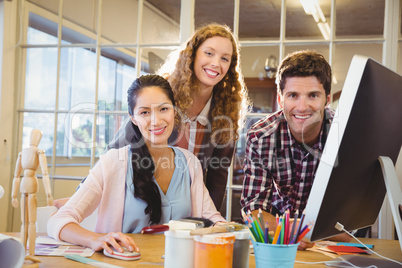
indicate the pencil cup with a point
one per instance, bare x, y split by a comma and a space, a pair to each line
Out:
179, 249
214, 250
274, 255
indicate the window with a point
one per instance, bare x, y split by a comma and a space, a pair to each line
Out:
76, 99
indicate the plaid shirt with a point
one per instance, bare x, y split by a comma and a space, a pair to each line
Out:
278, 171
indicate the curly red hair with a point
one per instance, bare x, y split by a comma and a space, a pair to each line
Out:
230, 94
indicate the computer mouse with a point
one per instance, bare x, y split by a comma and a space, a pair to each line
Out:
125, 255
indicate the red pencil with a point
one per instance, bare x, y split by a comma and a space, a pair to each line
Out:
286, 233
304, 233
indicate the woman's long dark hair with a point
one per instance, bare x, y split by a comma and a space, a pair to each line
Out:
143, 165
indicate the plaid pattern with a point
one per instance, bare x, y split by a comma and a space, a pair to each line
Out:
278, 171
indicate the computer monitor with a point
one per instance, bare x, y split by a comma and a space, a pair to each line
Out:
349, 184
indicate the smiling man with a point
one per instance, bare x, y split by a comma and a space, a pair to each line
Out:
283, 149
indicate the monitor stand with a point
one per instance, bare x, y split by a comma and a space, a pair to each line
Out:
395, 199
394, 193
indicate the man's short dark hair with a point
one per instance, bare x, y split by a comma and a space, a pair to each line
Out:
302, 64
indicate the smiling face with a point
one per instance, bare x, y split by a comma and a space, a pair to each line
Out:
212, 61
303, 101
154, 115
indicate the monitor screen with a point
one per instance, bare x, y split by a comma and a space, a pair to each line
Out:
349, 185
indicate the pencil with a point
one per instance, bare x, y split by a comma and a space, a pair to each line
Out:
267, 230
305, 227
248, 223
282, 229
250, 230
276, 236
292, 232
286, 232
306, 230
266, 234
259, 230
298, 228
260, 217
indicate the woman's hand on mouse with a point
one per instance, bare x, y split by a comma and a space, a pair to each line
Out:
116, 240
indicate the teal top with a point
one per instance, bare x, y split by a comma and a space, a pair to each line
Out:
176, 203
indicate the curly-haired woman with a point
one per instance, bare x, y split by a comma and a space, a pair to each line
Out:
210, 93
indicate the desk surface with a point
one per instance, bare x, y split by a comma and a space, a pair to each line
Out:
153, 247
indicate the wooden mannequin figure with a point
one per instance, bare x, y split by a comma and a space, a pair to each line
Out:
29, 159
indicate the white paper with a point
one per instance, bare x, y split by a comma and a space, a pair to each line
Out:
12, 252
46, 240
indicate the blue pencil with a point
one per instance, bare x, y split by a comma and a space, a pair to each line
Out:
292, 232
266, 233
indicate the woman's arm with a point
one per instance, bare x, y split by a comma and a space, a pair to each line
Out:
104, 188
75, 234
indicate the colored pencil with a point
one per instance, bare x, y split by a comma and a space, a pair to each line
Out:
253, 223
304, 233
276, 236
251, 229
286, 232
298, 228
282, 234
259, 229
248, 223
292, 232
305, 227
261, 218
267, 228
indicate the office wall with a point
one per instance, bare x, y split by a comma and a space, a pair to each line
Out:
7, 103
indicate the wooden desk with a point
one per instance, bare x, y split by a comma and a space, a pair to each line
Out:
153, 248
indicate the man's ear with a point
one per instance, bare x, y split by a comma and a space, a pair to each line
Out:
328, 101
279, 99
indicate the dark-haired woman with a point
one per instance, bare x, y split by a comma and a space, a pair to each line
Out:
146, 182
